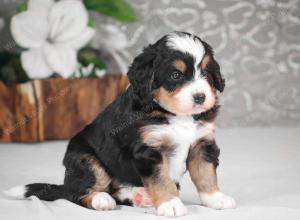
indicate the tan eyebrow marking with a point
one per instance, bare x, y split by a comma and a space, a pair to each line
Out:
180, 65
204, 62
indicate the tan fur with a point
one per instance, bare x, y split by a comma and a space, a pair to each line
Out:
203, 173
102, 179
151, 137
87, 199
203, 64
161, 188
155, 114
180, 65
167, 98
206, 59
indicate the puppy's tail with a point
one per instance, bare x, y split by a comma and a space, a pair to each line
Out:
43, 191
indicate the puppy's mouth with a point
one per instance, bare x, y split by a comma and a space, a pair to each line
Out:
199, 107
196, 109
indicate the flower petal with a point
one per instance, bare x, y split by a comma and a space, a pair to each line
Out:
39, 5
81, 40
68, 18
29, 28
61, 59
34, 63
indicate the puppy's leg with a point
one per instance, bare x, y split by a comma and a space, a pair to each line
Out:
164, 193
202, 163
153, 168
87, 183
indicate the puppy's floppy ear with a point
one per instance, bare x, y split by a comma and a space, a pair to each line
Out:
214, 69
141, 76
211, 65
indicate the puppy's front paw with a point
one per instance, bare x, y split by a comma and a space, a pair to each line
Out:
217, 200
103, 201
172, 208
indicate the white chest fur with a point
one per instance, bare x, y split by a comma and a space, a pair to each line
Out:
184, 131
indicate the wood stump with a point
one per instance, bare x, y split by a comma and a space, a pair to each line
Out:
54, 108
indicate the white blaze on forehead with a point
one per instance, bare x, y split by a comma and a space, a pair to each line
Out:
187, 44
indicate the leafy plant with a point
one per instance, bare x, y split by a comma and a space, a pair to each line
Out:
117, 9
88, 55
90, 63
11, 69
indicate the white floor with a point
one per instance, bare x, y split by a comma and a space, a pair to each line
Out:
260, 168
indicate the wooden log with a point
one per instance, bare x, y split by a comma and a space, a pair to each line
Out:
54, 108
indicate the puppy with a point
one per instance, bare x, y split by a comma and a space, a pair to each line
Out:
139, 147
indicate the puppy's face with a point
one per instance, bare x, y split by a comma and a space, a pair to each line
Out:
181, 74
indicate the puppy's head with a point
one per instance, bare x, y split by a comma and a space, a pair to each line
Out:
179, 72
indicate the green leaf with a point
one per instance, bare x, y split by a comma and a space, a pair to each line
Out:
92, 23
117, 9
88, 56
11, 70
22, 7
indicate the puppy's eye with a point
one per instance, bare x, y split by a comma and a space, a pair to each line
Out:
177, 75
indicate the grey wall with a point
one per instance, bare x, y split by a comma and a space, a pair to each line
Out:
256, 42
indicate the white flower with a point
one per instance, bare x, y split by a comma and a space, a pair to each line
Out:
52, 32
100, 73
83, 71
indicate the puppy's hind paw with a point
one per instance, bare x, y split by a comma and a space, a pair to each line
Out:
217, 200
103, 201
140, 197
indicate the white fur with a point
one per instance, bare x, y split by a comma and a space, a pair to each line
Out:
217, 200
187, 44
125, 192
17, 192
184, 131
103, 201
185, 96
172, 208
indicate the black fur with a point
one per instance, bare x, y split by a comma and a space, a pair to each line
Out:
210, 153
47, 192
209, 115
208, 150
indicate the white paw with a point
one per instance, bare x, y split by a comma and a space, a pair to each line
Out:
217, 200
103, 201
172, 208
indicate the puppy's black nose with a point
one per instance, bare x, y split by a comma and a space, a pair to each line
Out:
199, 98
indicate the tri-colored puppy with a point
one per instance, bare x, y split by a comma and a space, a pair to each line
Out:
139, 147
